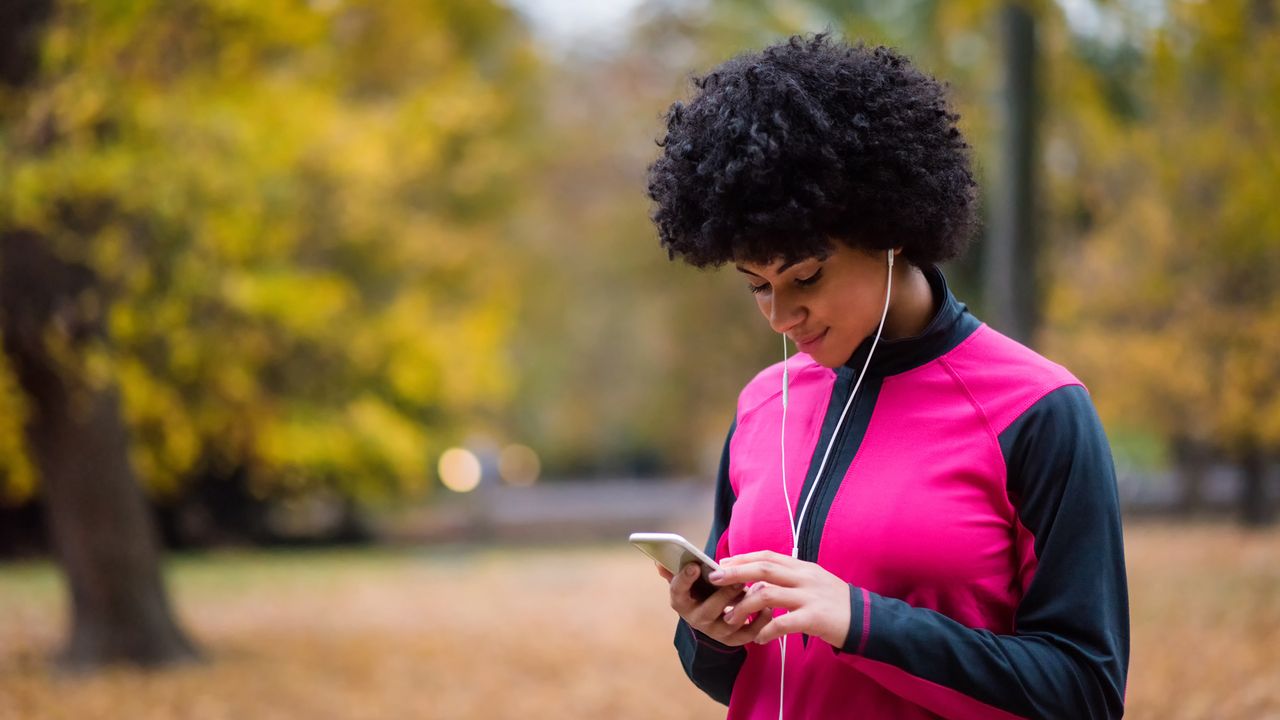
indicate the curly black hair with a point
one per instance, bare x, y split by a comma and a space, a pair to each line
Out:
782, 151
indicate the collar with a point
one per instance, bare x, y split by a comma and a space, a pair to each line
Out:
951, 324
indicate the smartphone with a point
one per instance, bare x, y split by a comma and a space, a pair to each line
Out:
673, 553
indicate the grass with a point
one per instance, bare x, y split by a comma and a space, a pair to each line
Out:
551, 632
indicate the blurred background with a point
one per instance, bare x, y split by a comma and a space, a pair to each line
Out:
340, 356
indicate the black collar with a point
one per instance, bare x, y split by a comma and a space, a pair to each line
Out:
949, 327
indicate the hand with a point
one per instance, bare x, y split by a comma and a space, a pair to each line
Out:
707, 616
816, 601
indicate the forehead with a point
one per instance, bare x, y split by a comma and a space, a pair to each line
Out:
779, 265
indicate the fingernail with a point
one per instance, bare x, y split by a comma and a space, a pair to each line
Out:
716, 576
691, 570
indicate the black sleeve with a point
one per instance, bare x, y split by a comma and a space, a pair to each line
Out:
1069, 654
710, 664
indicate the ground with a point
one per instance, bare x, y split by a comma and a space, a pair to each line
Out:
551, 632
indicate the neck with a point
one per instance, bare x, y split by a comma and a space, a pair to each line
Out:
912, 305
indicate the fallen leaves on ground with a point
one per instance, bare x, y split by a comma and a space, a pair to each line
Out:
535, 633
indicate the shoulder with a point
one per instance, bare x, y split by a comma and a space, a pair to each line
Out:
1004, 377
1060, 424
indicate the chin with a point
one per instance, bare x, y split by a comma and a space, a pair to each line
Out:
827, 361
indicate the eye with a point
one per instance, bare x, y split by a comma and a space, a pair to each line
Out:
758, 289
811, 280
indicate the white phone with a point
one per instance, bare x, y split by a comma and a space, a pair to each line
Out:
673, 552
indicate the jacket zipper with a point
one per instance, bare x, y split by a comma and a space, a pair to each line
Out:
805, 531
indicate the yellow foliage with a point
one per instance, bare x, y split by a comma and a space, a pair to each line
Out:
293, 207
17, 481
305, 304
1169, 305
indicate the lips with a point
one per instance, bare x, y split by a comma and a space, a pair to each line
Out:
809, 344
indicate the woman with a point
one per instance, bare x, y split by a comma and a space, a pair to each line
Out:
923, 507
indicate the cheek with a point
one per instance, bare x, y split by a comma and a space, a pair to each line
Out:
853, 309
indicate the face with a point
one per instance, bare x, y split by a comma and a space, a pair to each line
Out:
827, 306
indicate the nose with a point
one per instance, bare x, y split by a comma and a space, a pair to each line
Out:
784, 315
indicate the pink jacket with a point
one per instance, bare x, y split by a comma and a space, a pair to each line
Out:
970, 505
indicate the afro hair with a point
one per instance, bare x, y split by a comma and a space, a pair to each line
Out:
781, 152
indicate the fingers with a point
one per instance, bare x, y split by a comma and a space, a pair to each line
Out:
755, 556
766, 566
785, 624
682, 600
665, 573
747, 633
694, 609
776, 582
706, 614
713, 624
761, 596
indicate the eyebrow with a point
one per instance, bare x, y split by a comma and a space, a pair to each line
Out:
782, 268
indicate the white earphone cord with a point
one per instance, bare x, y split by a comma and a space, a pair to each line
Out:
804, 508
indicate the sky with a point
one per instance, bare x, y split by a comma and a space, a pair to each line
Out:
560, 21
563, 20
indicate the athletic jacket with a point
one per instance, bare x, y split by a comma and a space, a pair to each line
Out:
970, 504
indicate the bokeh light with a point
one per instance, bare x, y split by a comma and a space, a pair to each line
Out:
519, 465
459, 470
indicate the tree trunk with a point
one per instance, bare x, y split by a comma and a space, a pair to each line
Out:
1010, 264
20, 24
1192, 459
101, 529
1256, 507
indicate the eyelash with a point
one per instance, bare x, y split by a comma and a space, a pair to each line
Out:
800, 282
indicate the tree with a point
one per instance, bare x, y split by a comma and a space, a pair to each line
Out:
102, 530
274, 227
1012, 268
1170, 309
119, 604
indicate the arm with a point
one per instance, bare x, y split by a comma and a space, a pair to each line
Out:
711, 665
1068, 656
